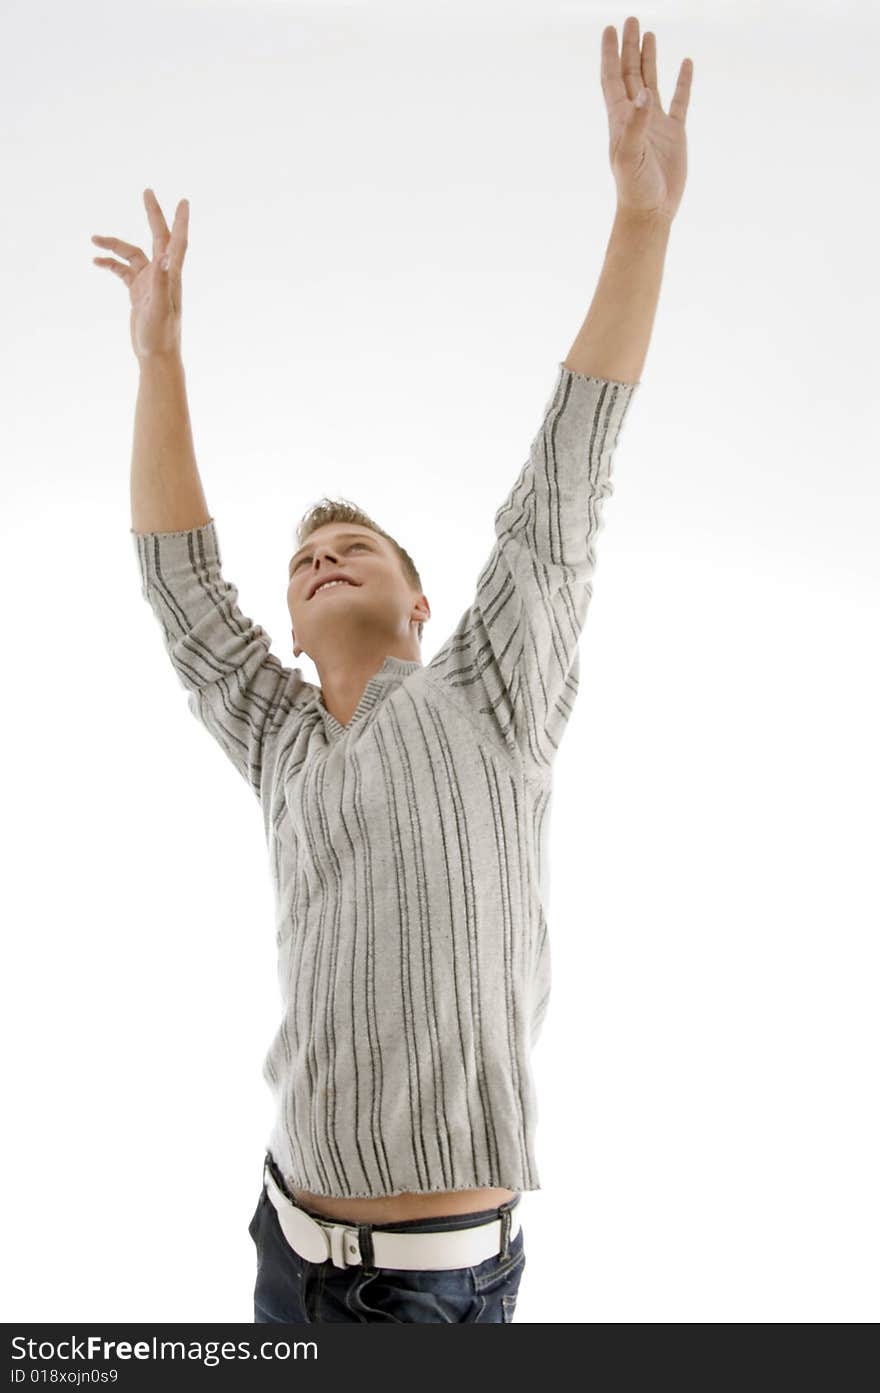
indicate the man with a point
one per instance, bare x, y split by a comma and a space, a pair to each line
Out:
405, 805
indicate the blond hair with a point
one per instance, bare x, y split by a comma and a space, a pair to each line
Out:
342, 510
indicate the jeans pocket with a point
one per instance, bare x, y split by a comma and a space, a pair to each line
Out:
498, 1273
496, 1284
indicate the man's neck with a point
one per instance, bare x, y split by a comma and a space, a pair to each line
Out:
343, 684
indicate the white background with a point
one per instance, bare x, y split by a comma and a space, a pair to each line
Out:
399, 212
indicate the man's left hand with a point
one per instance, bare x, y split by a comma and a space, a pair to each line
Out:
647, 148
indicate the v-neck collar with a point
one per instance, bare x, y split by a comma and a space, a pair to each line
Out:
392, 670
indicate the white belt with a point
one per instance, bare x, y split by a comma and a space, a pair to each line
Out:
316, 1240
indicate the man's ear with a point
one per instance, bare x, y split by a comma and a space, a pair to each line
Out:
296, 650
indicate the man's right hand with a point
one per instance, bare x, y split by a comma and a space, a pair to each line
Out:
156, 292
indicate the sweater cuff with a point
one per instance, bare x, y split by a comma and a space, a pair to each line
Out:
169, 556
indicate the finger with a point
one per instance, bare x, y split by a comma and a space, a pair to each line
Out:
179, 236
123, 272
612, 82
158, 225
682, 95
631, 58
649, 66
125, 249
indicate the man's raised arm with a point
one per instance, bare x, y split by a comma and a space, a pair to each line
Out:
238, 689
613, 340
648, 153
513, 657
166, 490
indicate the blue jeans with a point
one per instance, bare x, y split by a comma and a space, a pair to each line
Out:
290, 1290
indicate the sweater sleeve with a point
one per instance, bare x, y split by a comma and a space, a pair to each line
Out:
238, 690
513, 657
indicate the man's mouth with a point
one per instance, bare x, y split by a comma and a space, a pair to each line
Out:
329, 585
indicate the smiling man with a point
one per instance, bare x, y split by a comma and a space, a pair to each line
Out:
406, 805
354, 598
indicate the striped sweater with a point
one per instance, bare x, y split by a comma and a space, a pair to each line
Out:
408, 848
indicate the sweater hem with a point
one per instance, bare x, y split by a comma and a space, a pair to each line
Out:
295, 1183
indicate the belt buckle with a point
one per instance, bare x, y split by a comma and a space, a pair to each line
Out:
344, 1244
314, 1239
317, 1239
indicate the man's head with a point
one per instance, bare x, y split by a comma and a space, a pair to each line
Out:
384, 604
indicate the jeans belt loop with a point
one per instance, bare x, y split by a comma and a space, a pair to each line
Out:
365, 1238
505, 1231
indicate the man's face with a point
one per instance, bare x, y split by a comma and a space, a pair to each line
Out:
378, 599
